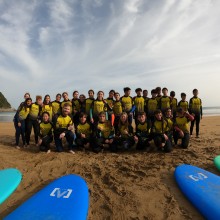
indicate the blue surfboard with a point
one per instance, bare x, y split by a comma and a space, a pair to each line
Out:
9, 181
65, 198
201, 187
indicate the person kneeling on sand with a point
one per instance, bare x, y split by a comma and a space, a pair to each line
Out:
103, 135
63, 126
83, 132
181, 127
143, 132
45, 136
158, 130
124, 133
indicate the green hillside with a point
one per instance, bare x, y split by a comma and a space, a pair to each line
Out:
3, 102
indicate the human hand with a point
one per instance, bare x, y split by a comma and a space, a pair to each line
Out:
62, 135
83, 136
181, 134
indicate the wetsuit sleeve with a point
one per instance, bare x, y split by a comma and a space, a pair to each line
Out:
133, 109
190, 106
201, 113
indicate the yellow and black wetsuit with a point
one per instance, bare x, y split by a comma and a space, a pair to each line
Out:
32, 121
45, 129
47, 108
151, 106
117, 108
158, 98
110, 102
23, 113
70, 104
143, 131
182, 123
123, 129
61, 123
88, 105
174, 104
164, 103
195, 106
139, 103
85, 128
159, 127
184, 105
127, 103
56, 108
97, 106
104, 130
128, 107
169, 124
75, 105
20, 116
35, 111
124, 136
46, 135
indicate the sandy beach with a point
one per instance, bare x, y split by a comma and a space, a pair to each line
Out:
128, 185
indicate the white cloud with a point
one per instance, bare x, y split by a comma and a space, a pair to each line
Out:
55, 46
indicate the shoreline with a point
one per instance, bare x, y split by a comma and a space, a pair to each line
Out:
7, 110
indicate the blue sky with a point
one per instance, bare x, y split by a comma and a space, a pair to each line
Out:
48, 47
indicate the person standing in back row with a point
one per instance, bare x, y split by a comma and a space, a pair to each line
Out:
195, 108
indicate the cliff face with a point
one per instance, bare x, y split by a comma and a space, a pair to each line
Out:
3, 102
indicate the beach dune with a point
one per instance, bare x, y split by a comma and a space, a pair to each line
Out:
127, 185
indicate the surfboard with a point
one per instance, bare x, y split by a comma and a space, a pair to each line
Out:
217, 162
9, 180
65, 198
201, 187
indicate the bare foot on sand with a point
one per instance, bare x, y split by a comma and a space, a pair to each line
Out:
71, 151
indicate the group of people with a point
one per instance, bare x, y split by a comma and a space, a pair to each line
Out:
113, 123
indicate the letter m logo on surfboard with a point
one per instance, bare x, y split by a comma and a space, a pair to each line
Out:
198, 177
61, 193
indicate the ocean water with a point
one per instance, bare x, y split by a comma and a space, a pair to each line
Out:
6, 116
207, 111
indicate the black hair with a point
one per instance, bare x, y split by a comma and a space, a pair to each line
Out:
126, 89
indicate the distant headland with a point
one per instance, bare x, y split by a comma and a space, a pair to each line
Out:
5, 106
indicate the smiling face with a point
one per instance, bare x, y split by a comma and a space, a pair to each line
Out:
141, 118
45, 117
66, 110
29, 102
123, 117
158, 116
102, 118
75, 95
58, 98
82, 98
82, 119
111, 95
117, 96
26, 95
91, 94
47, 99
100, 95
